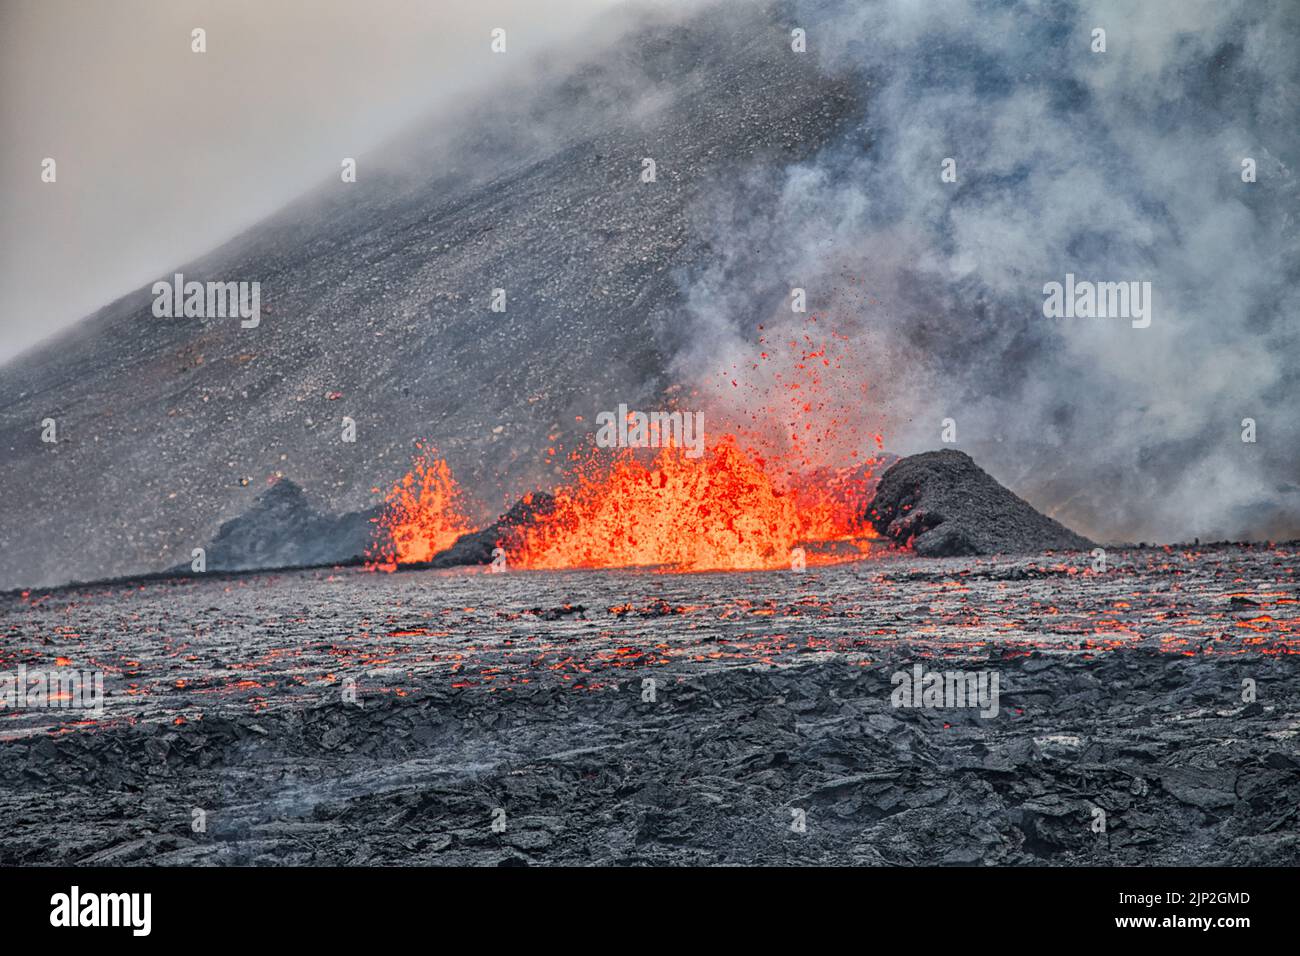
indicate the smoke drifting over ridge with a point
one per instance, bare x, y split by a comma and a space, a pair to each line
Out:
1117, 166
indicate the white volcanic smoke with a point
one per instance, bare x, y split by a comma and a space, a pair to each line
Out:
1117, 166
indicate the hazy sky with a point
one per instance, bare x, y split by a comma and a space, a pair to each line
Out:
163, 153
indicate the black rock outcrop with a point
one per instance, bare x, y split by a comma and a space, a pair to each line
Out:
283, 530
943, 504
477, 546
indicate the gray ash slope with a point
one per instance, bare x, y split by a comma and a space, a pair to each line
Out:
377, 293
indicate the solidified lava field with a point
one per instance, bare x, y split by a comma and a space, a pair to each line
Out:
506, 719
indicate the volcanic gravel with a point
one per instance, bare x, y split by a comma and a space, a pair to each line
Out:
521, 699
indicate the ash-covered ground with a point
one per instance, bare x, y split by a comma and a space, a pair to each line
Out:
1124, 733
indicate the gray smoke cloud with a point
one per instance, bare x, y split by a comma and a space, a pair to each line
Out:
1115, 166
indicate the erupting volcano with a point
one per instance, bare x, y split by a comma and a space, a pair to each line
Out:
786, 484
720, 512
684, 374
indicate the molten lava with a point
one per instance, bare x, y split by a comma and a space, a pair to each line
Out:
424, 514
722, 511
781, 495
719, 512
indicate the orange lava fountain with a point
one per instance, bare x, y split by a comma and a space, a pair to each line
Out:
424, 514
718, 512
780, 495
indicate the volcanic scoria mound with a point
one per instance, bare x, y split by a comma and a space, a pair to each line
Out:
944, 504
283, 530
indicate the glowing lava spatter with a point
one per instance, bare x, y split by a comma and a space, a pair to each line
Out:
800, 398
424, 514
718, 512
799, 476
